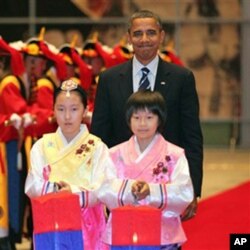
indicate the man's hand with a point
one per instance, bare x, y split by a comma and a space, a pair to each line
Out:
190, 211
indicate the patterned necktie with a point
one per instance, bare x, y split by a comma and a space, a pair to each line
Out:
144, 82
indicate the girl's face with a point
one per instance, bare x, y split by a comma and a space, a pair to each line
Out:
69, 112
144, 124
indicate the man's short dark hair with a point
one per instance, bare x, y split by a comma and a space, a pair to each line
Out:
144, 14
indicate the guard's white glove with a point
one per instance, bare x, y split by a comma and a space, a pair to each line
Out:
27, 120
16, 120
88, 118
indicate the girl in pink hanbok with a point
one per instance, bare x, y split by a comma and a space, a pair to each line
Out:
72, 159
148, 157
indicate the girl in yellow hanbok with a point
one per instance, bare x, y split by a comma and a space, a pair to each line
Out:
72, 159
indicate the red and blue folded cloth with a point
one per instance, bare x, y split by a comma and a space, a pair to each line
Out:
57, 222
136, 227
57, 225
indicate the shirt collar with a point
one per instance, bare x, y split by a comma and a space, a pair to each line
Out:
152, 66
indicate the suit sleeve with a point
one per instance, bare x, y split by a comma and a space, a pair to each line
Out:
192, 138
101, 123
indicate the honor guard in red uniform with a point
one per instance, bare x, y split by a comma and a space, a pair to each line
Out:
99, 57
14, 93
168, 54
46, 70
77, 69
122, 51
4, 218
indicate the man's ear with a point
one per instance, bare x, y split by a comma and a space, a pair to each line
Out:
163, 34
128, 38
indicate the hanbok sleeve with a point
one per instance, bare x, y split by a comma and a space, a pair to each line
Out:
113, 192
117, 193
176, 195
103, 174
37, 183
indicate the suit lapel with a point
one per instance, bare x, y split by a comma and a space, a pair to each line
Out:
162, 76
126, 80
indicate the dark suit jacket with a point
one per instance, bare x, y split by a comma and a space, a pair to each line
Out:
177, 85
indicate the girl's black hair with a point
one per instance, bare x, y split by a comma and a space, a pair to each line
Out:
150, 100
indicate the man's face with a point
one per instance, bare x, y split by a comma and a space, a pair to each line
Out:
145, 36
96, 62
35, 66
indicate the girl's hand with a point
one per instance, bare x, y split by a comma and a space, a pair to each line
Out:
63, 186
140, 189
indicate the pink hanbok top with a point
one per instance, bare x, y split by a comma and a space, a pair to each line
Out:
164, 166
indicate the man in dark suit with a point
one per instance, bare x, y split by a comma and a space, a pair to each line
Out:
175, 83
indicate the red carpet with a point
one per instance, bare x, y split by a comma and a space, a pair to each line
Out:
217, 217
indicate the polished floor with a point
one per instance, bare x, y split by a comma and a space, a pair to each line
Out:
223, 169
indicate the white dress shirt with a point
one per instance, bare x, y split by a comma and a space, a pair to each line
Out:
137, 73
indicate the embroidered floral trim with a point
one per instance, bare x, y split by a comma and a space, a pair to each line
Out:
161, 171
85, 148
